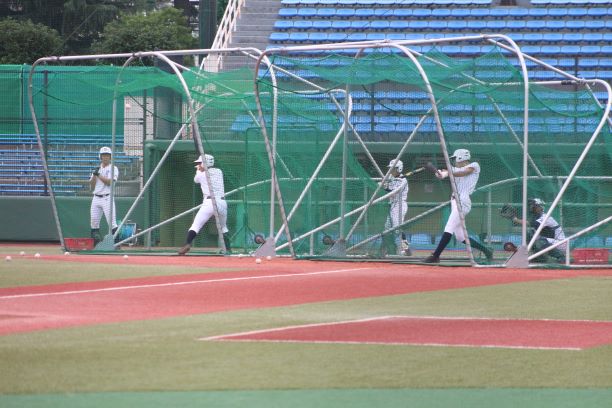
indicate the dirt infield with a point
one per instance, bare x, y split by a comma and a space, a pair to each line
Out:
444, 331
247, 285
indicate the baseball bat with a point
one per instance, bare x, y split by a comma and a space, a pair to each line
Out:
415, 171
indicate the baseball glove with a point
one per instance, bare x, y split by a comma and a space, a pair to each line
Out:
96, 171
508, 211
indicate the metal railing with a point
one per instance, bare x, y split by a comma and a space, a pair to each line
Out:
227, 26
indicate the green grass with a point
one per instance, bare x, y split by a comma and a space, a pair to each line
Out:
155, 357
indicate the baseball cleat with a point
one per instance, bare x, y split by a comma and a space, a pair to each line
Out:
432, 259
184, 249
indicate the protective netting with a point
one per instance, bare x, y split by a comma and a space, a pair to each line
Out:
334, 122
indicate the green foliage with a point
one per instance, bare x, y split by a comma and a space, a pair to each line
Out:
165, 29
84, 20
23, 42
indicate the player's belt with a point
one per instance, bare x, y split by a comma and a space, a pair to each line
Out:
101, 195
209, 197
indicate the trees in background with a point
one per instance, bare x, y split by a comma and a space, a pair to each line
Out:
33, 27
165, 29
23, 42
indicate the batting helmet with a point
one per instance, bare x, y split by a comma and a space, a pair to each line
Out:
461, 155
538, 202
208, 159
398, 164
105, 150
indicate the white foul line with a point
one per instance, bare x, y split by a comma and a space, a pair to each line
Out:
158, 285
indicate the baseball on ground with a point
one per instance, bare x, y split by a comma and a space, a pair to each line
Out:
8, 258
258, 260
37, 255
22, 253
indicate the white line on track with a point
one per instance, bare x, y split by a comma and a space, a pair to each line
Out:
412, 317
375, 343
158, 285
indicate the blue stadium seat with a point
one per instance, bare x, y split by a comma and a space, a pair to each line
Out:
572, 37
345, 13
441, 12
518, 12
498, 13
398, 25
287, 12
326, 12
595, 37
555, 24
279, 37
298, 37
552, 37
535, 24
322, 25
595, 242
421, 13
317, 37
283, 25
379, 25
341, 25
421, 241
307, 12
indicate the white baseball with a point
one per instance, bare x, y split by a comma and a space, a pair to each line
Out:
37, 255
268, 257
125, 256
66, 253
8, 258
22, 253
258, 260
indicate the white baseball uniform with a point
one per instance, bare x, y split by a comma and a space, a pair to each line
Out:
101, 202
465, 187
551, 224
206, 210
399, 206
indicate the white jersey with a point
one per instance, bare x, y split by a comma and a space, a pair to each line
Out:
101, 188
216, 179
552, 231
466, 185
399, 185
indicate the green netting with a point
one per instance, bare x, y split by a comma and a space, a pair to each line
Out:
329, 174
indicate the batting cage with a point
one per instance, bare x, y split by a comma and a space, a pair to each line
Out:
339, 151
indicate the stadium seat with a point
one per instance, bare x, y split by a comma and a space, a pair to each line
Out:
595, 242
421, 241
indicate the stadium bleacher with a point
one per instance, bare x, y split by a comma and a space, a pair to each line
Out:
22, 173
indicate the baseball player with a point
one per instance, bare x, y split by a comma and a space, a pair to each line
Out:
466, 175
399, 185
551, 232
206, 211
100, 183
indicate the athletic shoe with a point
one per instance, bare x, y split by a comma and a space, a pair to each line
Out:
184, 249
405, 249
432, 259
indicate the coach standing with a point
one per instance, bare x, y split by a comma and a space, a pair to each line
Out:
100, 183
